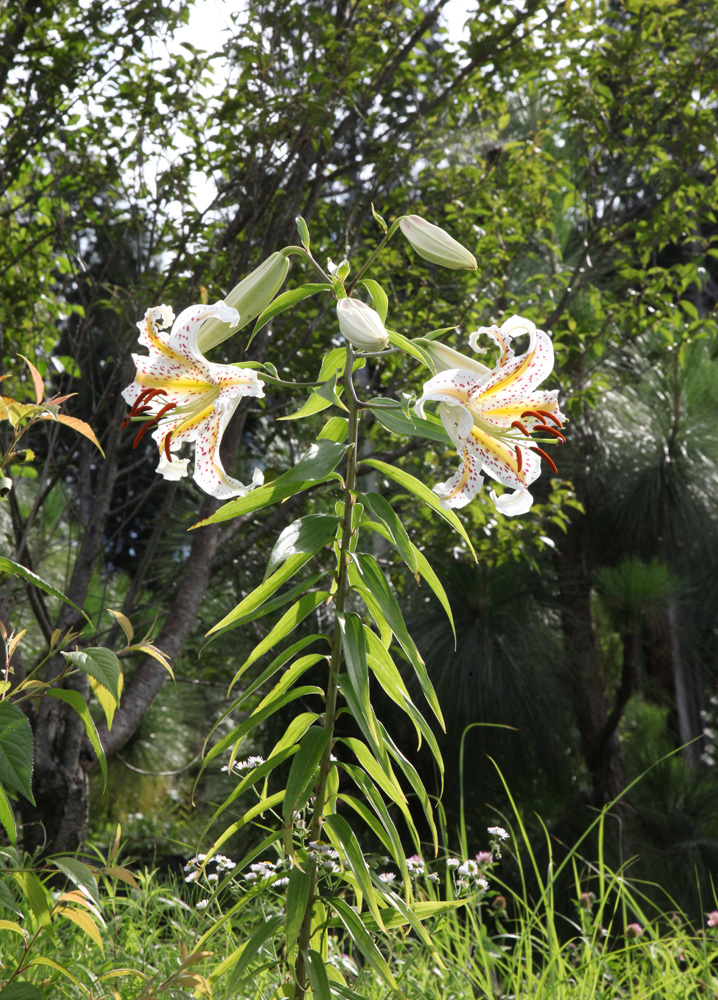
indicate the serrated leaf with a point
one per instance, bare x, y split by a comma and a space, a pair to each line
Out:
77, 425
83, 920
16, 750
105, 698
121, 873
7, 817
81, 875
15, 569
124, 622
100, 663
75, 699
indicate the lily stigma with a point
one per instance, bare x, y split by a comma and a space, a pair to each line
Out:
187, 398
496, 419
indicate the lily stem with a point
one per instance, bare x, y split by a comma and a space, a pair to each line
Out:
320, 788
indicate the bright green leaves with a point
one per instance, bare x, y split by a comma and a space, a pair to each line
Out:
305, 536
16, 751
100, 663
316, 466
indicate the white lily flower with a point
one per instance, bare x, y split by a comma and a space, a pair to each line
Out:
490, 416
361, 325
187, 398
434, 244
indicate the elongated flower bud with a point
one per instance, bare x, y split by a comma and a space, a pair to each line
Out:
434, 244
444, 357
250, 298
361, 325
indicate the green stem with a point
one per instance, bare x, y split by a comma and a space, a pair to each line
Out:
372, 257
342, 592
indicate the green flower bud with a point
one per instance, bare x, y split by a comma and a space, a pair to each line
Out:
434, 244
250, 298
361, 326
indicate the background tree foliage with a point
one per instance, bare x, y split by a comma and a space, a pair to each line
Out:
571, 147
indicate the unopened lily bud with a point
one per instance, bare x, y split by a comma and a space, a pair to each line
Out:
361, 326
250, 298
445, 358
434, 244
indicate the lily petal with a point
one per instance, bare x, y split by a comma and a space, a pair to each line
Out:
512, 504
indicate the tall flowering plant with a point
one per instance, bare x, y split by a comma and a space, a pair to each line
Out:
315, 779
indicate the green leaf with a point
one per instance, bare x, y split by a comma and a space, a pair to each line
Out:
21, 991
314, 403
100, 663
303, 231
317, 975
398, 340
420, 490
364, 942
300, 781
35, 893
267, 930
286, 624
16, 750
285, 301
7, 817
424, 568
394, 420
335, 429
263, 592
306, 535
75, 699
305, 584
369, 577
315, 466
354, 645
378, 297
382, 511
15, 569
81, 875
298, 891
340, 829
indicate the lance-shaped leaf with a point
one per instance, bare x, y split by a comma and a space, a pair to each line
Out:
378, 297
415, 781
263, 592
389, 837
81, 875
305, 536
286, 624
364, 942
369, 578
267, 930
298, 890
382, 511
316, 465
285, 301
428, 426
7, 817
16, 750
317, 974
16, 569
420, 490
340, 829
300, 781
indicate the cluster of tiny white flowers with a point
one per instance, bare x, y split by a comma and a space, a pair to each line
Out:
497, 834
245, 765
325, 856
260, 871
415, 866
194, 865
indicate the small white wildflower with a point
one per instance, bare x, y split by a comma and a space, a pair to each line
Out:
281, 882
498, 831
203, 904
482, 883
433, 877
192, 877
452, 862
387, 877
250, 877
415, 865
212, 878
470, 869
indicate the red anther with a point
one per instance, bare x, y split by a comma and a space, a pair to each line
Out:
531, 413
520, 426
142, 431
166, 446
551, 416
165, 408
144, 397
519, 458
544, 428
547, 458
